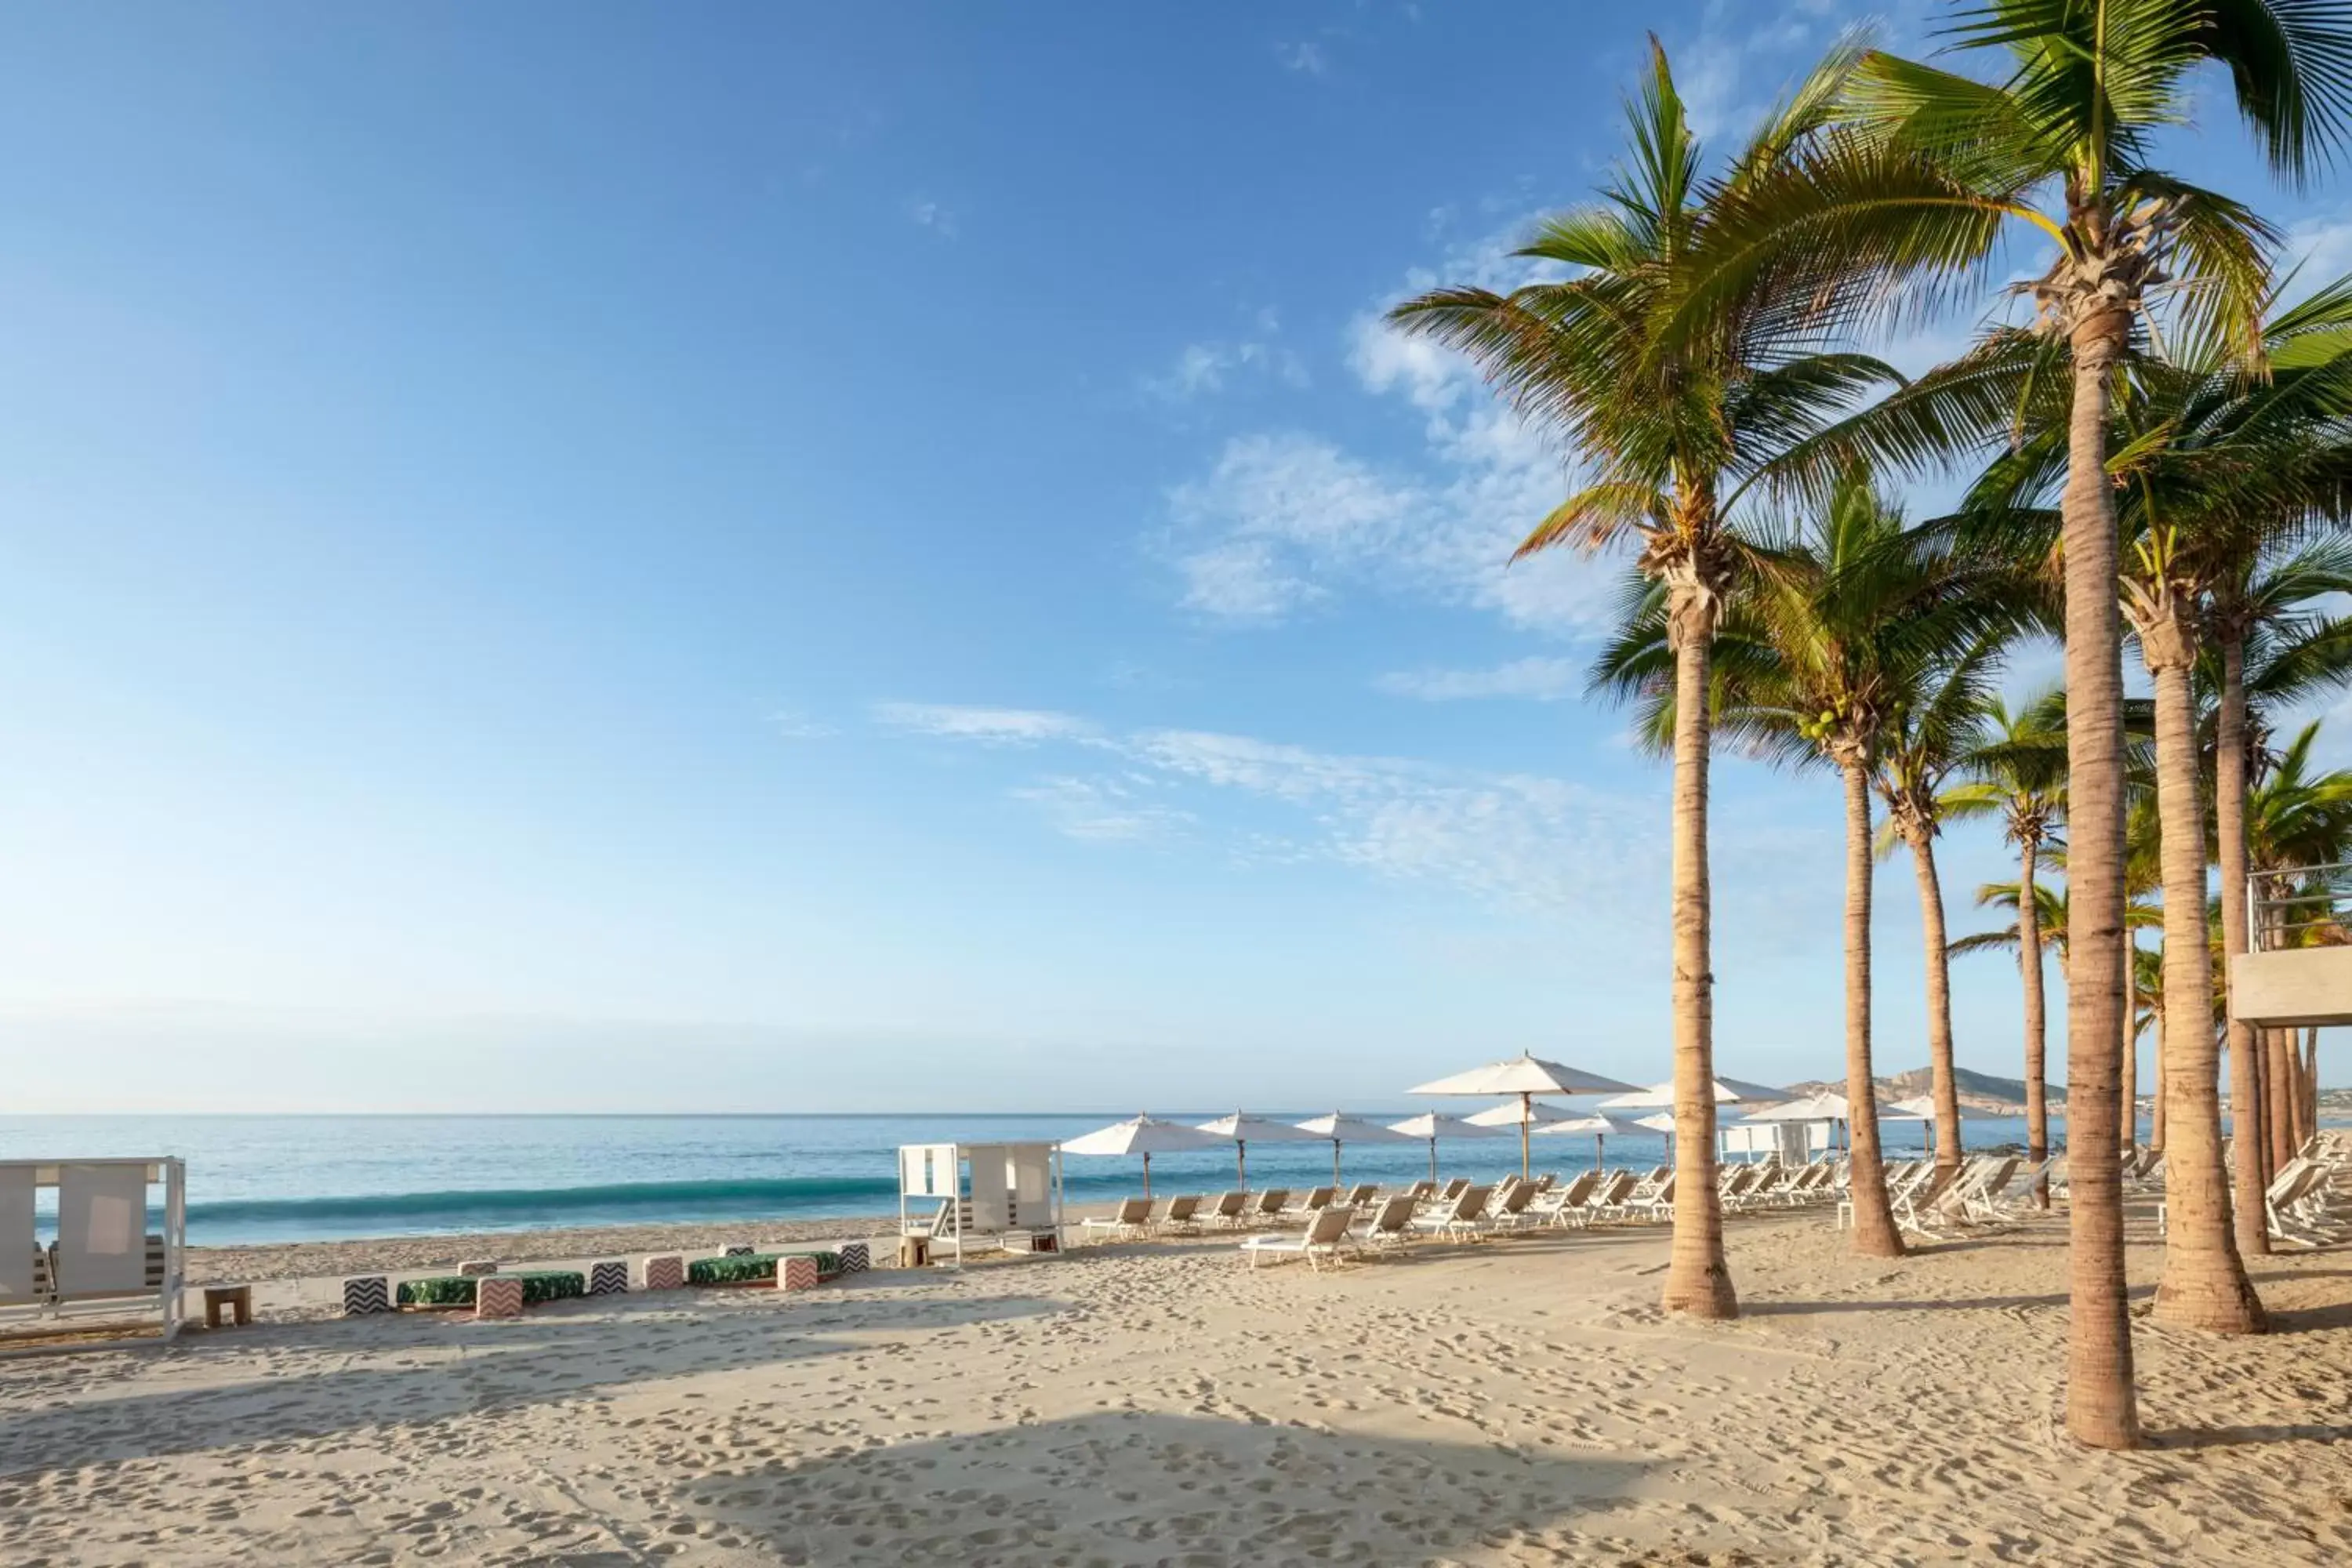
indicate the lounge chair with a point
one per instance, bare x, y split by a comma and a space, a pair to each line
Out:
1461, 1218
1268, 1206
1183, 1215
1322, 1238
1564, 1205
1227, 1211
1609, 1198
1317, 1200
1510, 1213
1131, 1219
1453, 1189
1360, 1194
1658, 1206
1391, 1227
1420, 1191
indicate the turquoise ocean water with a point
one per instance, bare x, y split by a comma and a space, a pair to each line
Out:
297, 1178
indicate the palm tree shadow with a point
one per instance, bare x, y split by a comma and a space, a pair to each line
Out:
1131, 1486
2248, 1436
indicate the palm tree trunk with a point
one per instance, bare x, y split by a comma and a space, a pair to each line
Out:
2127, 1102
2101, 1405
1874, 1235
2204, 1285
1698, 1280
2229, 817
1940, 1004
2156, 1131
2278, 1091
2037, 1044
2310, 1081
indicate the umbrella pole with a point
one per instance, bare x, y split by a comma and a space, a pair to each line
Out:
1146, 1174
1598, 1163
1334, 1162
1241, 1162
1527, 1110
1432, 1158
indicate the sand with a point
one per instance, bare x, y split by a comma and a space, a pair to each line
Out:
1517, 1401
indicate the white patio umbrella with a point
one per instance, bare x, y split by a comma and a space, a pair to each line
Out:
1727, 1091
1428, 1124
1602, 1126
1142, 1135
1246, 1129
1527, 1115
1341, 1127
1527, 1076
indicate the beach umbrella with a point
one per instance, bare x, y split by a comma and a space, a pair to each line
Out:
1601, 1126
1246, 1129
1142, 1135
1922, 1106
1527, 1076
1428, 1124
1341, 1127
1727, 1091
1527, 1115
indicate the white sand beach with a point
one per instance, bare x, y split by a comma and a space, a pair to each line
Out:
1520, 1401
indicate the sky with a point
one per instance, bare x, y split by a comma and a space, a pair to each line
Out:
585, 557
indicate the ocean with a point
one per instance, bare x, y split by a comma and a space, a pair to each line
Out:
317, 1178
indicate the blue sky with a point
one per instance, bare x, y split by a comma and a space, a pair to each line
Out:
572, 557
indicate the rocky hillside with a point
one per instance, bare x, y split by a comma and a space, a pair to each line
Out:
1980, 1091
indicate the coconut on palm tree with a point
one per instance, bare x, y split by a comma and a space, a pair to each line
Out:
1670, 427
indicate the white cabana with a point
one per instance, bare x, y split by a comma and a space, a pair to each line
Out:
1246, 1129
1784, 1141
1601, 1126
1146, 1136
1525, 1076
1727, 1091
105, 1261
1341, 1127
1428, 1124
1831, 1110
1006, 1193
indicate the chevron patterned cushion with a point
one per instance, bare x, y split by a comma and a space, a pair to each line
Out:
497, 1298
666, 1273
797, 1274
477, 1268
608, 1279
855, 1258
368, 1293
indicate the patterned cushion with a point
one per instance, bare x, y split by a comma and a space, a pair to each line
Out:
497, 1298
797, 1274
855, 1258
666, 1273
368, 1293
740, 1252
481, 1265
608, 1279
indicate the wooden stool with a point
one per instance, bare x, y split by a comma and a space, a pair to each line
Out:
236, 1299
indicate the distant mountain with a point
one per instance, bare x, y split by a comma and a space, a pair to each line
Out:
1980, 1091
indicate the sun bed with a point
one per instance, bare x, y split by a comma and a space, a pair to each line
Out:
1322, 1239
1460, 1219
1128, 1220
1391, 1225
1268, 1206
1317, 1200
1230, 1209
1183, 1215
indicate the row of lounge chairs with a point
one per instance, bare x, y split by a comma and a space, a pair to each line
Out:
1989, 1189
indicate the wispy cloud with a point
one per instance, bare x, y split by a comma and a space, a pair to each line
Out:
1213, 365
1545, 679
794, 726
1306, 58
988, 726
1519, 839
925, 213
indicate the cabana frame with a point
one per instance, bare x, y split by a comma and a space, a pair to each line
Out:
957, 1194
104, 1260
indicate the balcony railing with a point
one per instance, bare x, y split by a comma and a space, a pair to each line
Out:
2302, 906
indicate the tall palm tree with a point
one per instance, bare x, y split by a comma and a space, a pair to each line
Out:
1670, 427
2017, 769
1924, 742
1939, 165
1849, 628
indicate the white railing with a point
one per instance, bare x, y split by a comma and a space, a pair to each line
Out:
2287, 908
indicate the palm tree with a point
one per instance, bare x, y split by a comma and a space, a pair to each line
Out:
1937, 166
1671, 426
1845, 623
1923, 743
2019, 770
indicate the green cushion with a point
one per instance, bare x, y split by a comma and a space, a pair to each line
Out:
457, 1291
759, 1267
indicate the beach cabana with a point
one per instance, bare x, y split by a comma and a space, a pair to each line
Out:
1833, 1110
1341, 1127
1146, 1136
104, 1262
1428, 1124
1244, 1130
1525, 1076
1006, 1193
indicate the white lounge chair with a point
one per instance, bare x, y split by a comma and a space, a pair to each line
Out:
1460, 1219
1183, 1215
1322, 1239
1391, 1225
1230, 1209
1131, 1219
